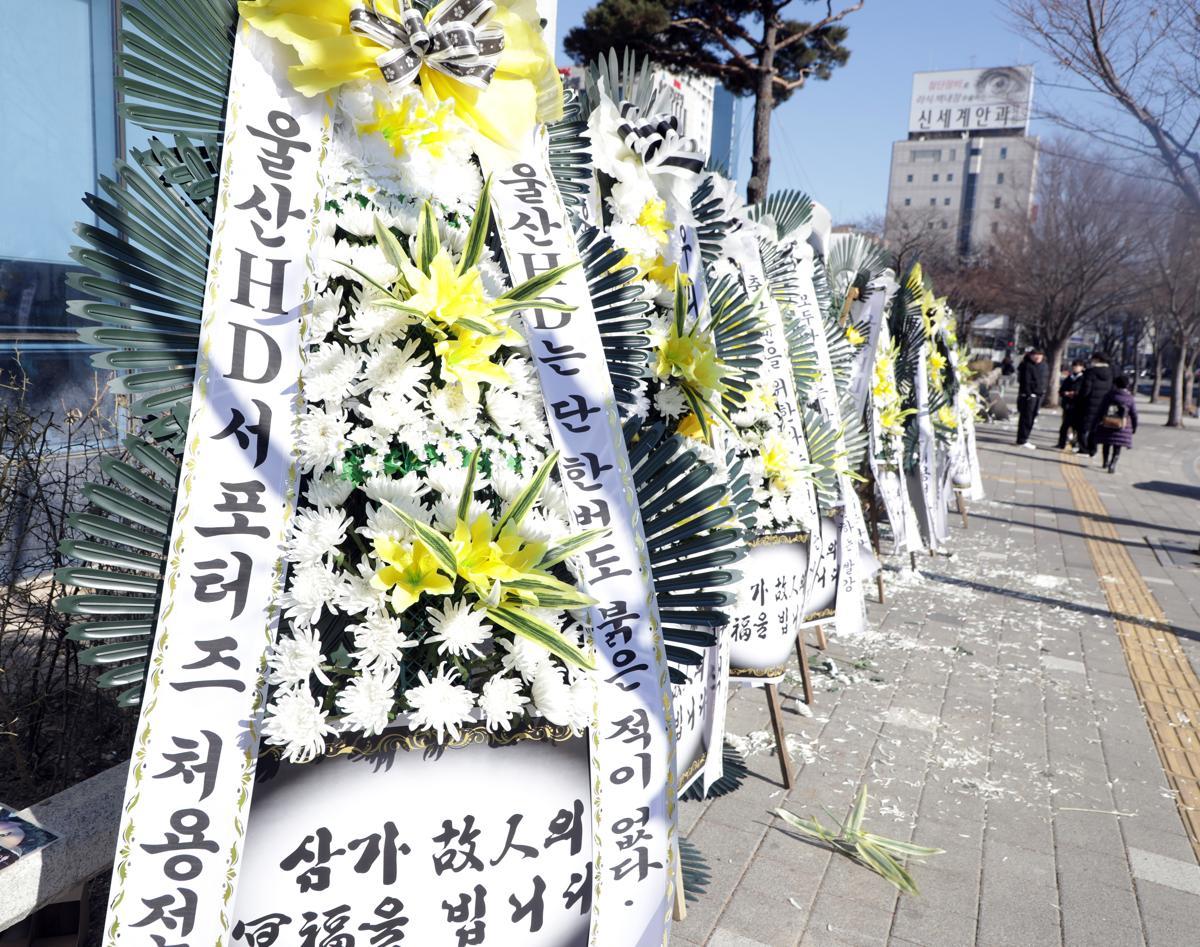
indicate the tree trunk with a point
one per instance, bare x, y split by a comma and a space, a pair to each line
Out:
1189, 381
764, 104
1054, 358
1175, 414
1156, 381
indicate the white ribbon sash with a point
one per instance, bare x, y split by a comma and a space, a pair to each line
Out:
191, 776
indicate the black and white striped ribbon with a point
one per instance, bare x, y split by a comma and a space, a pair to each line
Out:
658, 143
455, 41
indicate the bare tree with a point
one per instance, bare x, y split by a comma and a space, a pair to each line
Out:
1173, 283
1143, 59
1069, 264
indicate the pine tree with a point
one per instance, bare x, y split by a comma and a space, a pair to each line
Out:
750, 46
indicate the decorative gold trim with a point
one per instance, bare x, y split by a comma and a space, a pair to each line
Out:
692, 770
758, 672
360, 747
818, 616
777, 539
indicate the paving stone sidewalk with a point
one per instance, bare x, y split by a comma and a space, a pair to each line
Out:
991, 712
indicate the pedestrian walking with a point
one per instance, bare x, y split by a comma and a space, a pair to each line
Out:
1068, 390
1117, 423
1031, 389
1007, 370
1097, 383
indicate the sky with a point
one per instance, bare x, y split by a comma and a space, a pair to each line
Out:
833, 139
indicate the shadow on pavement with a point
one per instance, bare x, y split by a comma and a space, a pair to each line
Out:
1105, 613
1186, 490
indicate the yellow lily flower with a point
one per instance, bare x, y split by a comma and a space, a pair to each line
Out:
854, 337
946, 417
444, 295
778, 462
468, 359
692, 358
690, 427
411, 571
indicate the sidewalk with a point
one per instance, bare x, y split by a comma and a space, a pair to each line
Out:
993, 711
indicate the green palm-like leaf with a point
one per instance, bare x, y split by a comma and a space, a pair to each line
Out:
787, 209
437, 544
425, 241
528, 626
525, 500
478, 233
571, 545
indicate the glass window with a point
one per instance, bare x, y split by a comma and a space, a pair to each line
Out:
976, 152
927, 154
946, 201
1003, 153
935, 179
995, 227
1000, 178
908, 202
933, 202
908, 178
950, 176
996, 203
59, 121
944, 225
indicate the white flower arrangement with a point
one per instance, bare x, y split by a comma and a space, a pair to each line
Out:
430, 581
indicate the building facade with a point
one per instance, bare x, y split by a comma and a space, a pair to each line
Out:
61, 133
968, 165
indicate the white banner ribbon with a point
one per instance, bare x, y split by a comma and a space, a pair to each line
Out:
191, 775
632, 741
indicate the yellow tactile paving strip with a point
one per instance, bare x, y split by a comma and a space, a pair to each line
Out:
1166, 684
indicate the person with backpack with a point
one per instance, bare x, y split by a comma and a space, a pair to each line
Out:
1097, 383
1117, 423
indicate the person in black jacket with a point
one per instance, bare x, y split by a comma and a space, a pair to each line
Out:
1031, 389
1068, 388
1096, 384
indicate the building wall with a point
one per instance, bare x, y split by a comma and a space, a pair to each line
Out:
963, 186
60, 132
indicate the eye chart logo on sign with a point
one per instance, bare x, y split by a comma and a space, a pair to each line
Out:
971, 99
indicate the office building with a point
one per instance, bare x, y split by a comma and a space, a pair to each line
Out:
61, 131
968, 165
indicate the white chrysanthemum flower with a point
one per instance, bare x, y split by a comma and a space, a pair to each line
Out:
445, 513
670, 402
321, 318
329, 489
501, 700
316, 534
505, 408
525, 657
451, 407
376, 325
583, 702
374, 465
449, 479
399, 371
328, 372
356, 219
459, 629
321, 438
507, 483
491, 274
357, 594
366, 701
523, 377
552, 696
296, 722
440, 704
379, 641
310, 590
537, 527
296, 658
405, 492
369, 259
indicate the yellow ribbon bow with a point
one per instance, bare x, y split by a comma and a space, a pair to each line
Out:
524, 89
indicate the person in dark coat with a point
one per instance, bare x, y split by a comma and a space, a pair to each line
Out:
1096, 384
1031, 389
1068, 388
1007, 370
1117, 423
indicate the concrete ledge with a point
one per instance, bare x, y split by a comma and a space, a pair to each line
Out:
85, 818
